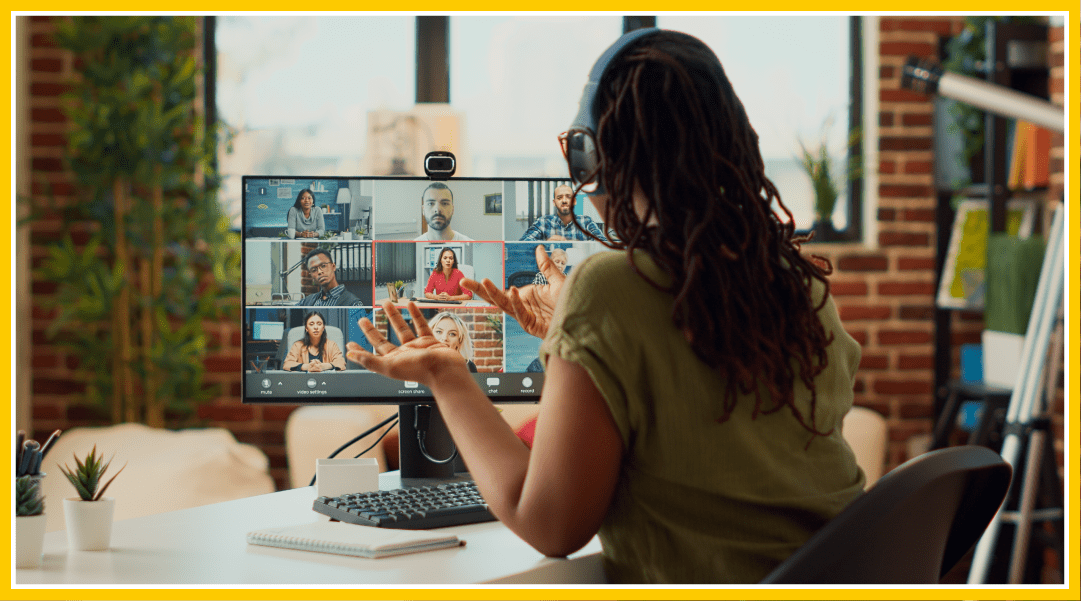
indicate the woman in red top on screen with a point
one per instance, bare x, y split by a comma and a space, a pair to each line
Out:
445, 283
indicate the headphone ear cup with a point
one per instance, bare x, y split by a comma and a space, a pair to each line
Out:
583, 160
581, 145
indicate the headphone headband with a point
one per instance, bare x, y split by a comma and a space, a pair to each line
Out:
582, 158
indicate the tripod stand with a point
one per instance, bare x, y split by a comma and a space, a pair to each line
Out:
1025, 417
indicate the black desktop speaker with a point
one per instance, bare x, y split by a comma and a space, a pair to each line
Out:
581, 148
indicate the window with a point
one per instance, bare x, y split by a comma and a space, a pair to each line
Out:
295, 92
302, 94
517, 81
792, 75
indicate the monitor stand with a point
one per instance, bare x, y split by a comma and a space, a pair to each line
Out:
416, 469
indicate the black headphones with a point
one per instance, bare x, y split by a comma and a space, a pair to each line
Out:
580, 143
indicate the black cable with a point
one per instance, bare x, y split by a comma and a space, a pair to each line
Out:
381, 437
420, 443
359, 437
421, 432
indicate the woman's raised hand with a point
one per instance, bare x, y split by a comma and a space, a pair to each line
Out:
420, 358
531, 305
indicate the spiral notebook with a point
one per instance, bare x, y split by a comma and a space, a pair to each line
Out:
341, 538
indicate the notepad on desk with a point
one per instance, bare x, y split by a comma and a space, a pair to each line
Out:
351, 539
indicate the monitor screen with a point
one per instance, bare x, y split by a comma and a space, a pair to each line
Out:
320, 253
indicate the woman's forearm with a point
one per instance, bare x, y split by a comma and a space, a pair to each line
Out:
554, 499
497, 458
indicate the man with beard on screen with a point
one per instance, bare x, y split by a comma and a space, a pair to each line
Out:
560, 225
437, 206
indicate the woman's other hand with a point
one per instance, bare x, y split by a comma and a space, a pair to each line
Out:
421, 358
531, 305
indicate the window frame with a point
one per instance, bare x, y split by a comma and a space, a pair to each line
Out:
434, 67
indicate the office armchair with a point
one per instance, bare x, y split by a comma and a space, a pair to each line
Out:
521, 278
912, 527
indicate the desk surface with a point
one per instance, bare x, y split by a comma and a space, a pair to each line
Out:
206, 546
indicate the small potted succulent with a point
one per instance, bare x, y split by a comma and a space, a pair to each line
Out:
29, 502
89, 516
29, 522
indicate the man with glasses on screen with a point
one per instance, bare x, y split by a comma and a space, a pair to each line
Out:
331, 294
560, 225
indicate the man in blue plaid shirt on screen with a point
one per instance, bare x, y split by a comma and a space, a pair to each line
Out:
560, 225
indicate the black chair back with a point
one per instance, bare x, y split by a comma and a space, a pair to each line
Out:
911, 527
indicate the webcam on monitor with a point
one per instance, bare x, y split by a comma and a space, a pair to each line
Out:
439, 164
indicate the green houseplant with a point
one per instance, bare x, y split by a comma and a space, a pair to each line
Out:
29, 503
28, 499
89, 516
966, 54
827, 183
147, 256
29, 522
88, 474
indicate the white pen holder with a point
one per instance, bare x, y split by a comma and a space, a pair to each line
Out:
336, 477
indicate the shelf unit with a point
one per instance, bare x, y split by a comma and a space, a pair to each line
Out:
1009, 46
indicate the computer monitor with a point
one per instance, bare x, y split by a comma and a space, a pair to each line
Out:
385, 242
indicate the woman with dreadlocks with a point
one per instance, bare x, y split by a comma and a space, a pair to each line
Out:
695, 378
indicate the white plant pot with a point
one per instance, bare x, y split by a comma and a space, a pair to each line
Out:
89, 523
29, 540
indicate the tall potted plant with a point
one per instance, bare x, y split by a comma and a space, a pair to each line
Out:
826, 181
148, 257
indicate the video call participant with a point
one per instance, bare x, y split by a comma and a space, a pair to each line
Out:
331, 294
445, 281
437, 206
559, 258
560, 225
304, 219
449, 329
314, 352
696, 380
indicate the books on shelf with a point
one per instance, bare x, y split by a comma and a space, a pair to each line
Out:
351, 539
1029, 157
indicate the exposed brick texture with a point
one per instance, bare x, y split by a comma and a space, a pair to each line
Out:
884, 291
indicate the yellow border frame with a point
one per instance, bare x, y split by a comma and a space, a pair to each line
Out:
1069, 591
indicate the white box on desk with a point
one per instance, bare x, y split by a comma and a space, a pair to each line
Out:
1001, 358
336, 477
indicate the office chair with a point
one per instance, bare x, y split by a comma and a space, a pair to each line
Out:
912, 527
521, 278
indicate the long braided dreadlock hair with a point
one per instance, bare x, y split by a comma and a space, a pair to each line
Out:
670, 125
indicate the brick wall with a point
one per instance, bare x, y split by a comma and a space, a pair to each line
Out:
54, 388
884, 292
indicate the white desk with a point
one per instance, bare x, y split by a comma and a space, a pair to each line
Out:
206, 546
